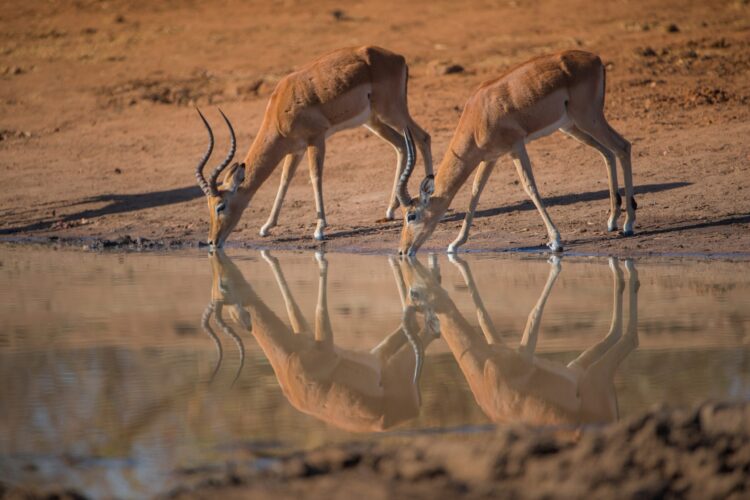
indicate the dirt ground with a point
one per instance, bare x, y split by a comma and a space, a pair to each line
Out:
99, 137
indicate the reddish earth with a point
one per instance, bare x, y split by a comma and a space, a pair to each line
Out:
99, 134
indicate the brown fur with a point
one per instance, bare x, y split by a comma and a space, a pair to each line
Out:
329, 94
529, 100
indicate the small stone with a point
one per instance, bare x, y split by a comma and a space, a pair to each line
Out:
672, 28
647, 52
119, 19
118, 170
454, 68
444, 68
338, 14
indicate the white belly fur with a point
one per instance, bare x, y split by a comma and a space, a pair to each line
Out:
352, 122
563, 122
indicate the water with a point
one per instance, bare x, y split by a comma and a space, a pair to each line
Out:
119, 369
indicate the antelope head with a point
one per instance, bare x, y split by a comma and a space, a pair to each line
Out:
420, 219
224, 204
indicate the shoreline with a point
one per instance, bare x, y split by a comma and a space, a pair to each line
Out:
128, 244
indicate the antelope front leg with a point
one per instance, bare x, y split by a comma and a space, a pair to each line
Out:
315, 155
290, 166
523, 166
323, 330
299, 325
531, 332
485, 321
480, 180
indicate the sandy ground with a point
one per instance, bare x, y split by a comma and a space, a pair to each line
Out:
99, 135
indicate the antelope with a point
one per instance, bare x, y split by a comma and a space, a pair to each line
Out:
359, 391
343, 89
563, 91
512, 385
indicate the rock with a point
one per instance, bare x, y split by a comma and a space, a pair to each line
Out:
647, 52
672, 28
444, 68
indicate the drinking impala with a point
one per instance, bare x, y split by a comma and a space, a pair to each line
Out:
563, 91
343, 89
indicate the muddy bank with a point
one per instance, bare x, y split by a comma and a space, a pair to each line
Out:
703, 453
699, 453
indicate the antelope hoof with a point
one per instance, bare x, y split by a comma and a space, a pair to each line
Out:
628, 229
389, 214
265, 230
318, 235
612, 225
452, 249
555, 246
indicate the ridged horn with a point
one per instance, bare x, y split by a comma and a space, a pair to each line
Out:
205, 186
232, 149
403, 193
206, 325
237, 340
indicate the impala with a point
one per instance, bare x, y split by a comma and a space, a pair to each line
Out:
512, 385
563, 91
360, 391
341, 90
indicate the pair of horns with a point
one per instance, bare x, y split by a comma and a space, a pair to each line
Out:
209, 187
206, 325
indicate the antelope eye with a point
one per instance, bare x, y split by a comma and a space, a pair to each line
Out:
411, 217
220, 207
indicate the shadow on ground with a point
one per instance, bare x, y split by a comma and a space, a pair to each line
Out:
566, 199
118, 203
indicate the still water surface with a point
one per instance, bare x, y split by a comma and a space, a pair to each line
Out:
119, 369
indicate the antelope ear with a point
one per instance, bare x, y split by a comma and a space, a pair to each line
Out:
235, 176
426, 188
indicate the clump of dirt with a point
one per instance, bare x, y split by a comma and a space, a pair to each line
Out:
180, 92
703, 453
201, 88
707, 96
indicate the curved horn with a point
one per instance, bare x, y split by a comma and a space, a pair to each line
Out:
237, 340
403, 194
206, 325
232, 149
205, 186
408, 322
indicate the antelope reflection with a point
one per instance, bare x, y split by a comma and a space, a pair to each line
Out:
516, 385
360, 391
